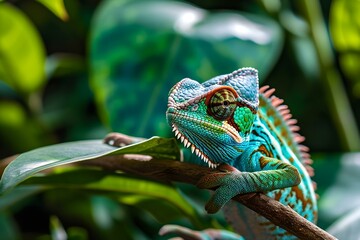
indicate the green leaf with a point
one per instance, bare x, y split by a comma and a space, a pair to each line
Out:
125, 188
17, 195
344, 26
100, 215
347, 227
22, 53
15, 114
140, 49
8, 227
77, 233
337, 177
29, 163
57, 7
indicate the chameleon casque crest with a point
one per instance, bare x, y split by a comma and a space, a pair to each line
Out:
229, 120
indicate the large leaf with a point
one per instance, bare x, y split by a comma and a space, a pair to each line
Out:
32, 162
140, 49
22, 53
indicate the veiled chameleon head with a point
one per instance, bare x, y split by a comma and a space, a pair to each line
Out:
215, 118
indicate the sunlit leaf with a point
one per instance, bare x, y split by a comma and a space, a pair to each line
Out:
22, 53
12, 114
344, 26
57, 7
29, 163
140, 49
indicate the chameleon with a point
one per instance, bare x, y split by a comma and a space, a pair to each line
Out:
248, 133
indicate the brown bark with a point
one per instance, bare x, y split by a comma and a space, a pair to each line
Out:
168, 171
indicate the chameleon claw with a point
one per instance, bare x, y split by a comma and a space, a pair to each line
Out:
226, 190
221, 196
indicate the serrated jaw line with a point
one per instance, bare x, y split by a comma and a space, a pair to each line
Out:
193, 148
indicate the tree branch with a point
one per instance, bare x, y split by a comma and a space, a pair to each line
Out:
277, 213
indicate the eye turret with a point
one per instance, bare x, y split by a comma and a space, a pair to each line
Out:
221, 103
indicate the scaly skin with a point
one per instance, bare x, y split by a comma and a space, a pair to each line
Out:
228, 120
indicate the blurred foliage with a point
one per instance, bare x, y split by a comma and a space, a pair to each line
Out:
20, 40
344, 26
74, 70
163, 42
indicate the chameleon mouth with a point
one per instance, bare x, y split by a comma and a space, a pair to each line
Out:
193, 148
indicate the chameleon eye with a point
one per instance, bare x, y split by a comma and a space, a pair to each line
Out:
221, 104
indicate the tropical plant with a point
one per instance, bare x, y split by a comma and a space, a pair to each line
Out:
75, 70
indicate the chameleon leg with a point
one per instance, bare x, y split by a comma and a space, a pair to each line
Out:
119, 140
265, 175
188, 234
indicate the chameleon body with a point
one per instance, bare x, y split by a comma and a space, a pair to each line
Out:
229, 121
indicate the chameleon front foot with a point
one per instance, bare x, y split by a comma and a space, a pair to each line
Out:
189, 234
228, 183
120, 140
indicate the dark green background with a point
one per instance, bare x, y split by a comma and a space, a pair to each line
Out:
92, 67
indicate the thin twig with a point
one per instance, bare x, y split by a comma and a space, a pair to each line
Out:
282, 216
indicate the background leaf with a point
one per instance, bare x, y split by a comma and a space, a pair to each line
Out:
347, 227
21, 51
126, 189
140, 49
17, 195
344, 26
133, 51
337, 177
14, 123
57, 7
8, 227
